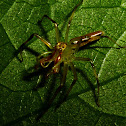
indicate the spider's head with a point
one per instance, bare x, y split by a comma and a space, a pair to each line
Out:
61, 46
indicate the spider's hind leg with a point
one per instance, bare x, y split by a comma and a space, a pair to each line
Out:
70, 19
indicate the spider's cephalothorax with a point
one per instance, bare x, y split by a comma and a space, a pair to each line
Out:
55, 57
60, 46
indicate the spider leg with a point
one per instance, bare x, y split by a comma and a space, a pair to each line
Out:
65, 68
38, 57
74, 81
71, 86
95, 74
70, 19
34, 34
55, 24
105, 36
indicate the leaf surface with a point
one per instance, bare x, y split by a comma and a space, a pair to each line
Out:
20, 104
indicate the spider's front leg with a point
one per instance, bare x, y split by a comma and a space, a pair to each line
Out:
74, 81
65, 68
95, 74
71, 86
39, 37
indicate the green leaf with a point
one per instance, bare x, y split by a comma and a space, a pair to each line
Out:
20, 104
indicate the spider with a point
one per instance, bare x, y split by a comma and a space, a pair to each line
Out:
63, 52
